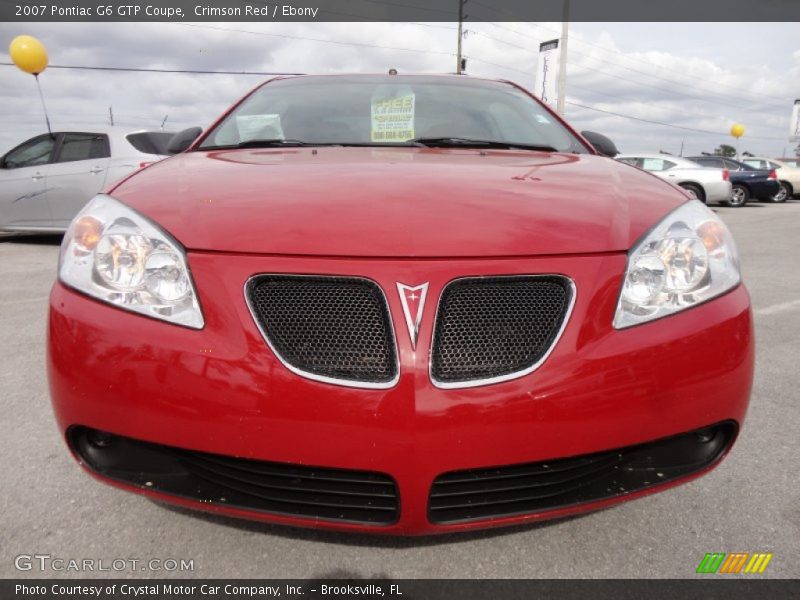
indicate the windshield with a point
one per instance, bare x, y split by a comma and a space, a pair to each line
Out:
391, 110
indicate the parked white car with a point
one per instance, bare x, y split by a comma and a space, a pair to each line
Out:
46, 180
788, 175
704, 183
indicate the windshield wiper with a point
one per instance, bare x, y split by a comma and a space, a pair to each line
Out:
453, 142
266, 143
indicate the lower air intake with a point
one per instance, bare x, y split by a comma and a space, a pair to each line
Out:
482, 494
300, 491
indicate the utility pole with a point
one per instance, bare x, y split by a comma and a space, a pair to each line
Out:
562, 67
461, 4
110, 115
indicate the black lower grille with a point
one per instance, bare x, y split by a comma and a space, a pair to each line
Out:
302, 491
492, 327
326, 327
521, 489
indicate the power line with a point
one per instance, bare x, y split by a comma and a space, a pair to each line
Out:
354, 44
672, 81
154, 70
498, 40
650, 85
318, 40
653, 122
693, 83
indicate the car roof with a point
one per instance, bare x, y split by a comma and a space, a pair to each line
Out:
114, 131
432, 77
701, 156
651, 155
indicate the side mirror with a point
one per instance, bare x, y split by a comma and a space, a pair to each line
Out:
601, 143
183, 139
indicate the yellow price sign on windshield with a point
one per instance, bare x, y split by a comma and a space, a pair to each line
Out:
393, 119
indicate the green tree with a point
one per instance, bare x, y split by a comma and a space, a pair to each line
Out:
725, 150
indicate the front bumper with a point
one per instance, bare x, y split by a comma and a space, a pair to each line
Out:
222, 391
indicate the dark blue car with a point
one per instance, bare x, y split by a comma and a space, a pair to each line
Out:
748, 182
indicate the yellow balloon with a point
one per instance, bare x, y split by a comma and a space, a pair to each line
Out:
737, 130
29, 54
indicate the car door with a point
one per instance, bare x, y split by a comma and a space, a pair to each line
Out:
78, 172
23, 185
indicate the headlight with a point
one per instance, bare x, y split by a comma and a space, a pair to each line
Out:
114, 254
688, 258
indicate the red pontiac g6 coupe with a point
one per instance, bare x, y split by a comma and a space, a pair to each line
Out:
397, 304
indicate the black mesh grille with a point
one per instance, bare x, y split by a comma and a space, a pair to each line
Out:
534, 487
298, 490
327, 326
490, 327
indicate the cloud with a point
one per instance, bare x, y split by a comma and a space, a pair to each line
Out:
698, 85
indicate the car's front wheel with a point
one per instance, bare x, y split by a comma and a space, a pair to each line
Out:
695, 191
739, 196
784, 192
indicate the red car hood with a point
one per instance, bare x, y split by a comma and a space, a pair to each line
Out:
399, 202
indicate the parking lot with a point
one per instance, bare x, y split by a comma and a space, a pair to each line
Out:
749, 504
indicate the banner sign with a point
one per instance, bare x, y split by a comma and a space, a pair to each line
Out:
546, 86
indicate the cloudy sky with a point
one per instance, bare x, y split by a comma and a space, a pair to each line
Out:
692, 75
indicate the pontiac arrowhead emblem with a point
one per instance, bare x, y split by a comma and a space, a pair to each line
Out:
413, 301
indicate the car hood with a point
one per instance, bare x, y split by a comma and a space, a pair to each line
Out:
398, 202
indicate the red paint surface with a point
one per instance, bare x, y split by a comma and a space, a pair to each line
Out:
222, 390
399, 202
409, 215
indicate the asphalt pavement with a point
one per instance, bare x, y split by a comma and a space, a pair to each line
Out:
751, 503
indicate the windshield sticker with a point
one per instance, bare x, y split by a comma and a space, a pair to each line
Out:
393, 119
259, 127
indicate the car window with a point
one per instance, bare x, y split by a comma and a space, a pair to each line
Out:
657, 164
33, 152
708, 162
758, 164
379, 110
82, 146
631, 160
732, 166
773, 165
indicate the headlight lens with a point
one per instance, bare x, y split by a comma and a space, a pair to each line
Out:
116, 255
688, 258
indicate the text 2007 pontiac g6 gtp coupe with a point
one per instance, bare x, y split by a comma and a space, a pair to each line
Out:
398, 304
